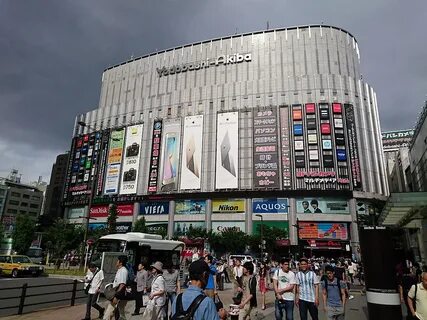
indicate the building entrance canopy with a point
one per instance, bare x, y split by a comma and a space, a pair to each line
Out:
402, 209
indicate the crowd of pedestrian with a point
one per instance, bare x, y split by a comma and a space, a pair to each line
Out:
301, 284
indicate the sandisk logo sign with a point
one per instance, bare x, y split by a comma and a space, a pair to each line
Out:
221, 60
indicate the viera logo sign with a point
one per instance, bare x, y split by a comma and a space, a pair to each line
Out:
221, 60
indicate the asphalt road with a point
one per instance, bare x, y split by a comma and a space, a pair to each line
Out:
40, 293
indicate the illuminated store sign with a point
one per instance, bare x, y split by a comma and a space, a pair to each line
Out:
318, 177
221, 60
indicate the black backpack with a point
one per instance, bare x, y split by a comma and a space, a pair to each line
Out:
188, 314
325, 284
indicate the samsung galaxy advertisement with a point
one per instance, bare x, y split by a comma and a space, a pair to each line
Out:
190, 207
322, 205
170, 155
272, 205
114, 162
192, 153
322, 230
265, 150
132, 155
227, 148
155, 156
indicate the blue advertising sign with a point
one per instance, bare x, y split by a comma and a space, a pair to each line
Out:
154, 207
190, 207
279, 205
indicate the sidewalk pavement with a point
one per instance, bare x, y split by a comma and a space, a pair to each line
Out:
356, 308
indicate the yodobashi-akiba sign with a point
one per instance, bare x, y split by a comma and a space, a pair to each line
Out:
221, 60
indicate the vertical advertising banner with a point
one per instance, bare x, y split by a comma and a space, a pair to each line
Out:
353, 146
114, 162
170, 155
132, 156
266, 166
103, 153
227, 150
192, 153
69, 169
286, 153
155, 156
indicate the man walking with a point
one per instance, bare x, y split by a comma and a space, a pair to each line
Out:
204, 307
284, 284
248, 306
211, 286
172, 285
119, 285
417, 299
307, 293
333, 293
94, 285
141, 287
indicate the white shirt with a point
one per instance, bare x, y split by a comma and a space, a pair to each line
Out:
285, 280
307, 282
121, 277
351, 269
158, 285
238, 271
96, 281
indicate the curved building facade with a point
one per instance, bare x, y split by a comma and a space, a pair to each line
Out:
275, 124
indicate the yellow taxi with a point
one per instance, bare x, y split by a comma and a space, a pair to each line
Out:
16, 265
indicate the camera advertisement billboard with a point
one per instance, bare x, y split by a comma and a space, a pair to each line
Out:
227, 148
114, 162
322, 205
228, 206
170, 155
265, 153
322, 230
192, 153
131, 159
155, 156
228, 226
190, 207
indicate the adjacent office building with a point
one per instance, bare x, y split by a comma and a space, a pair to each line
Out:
276, 123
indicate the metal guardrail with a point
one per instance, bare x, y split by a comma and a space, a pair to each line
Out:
24, 295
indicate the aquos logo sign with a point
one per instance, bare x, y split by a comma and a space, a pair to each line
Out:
279, 205
221, 60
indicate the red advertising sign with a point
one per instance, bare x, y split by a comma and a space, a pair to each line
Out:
321, 230
101, 211
336, 108
309, 108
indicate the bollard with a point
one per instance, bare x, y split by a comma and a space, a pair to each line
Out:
22, 301
379, 260
73, 293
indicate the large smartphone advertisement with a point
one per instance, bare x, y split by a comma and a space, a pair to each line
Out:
132, 156
353, 146
114, 162
321, 230
227, 148
155, 156
192, 153
285, 151
266, 162
170, 155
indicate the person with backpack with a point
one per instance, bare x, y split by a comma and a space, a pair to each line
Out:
284, 284
119, 285
333, 293
193, 303
155, 308
248, 305
95, 276
417, 299
307, 292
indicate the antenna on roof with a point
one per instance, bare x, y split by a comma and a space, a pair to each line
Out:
236, 30
268, 25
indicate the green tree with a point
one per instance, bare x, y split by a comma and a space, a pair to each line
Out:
140, 226
23, 233
112, 219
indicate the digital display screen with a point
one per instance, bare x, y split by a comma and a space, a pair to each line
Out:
298, 129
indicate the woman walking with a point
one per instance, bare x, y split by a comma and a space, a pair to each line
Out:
262, 273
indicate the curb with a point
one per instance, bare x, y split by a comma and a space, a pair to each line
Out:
60, 276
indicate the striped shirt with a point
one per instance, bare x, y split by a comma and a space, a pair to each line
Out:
306, 282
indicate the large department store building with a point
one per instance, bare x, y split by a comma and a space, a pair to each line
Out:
216, 134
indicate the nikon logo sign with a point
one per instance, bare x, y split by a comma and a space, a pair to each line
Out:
221, 60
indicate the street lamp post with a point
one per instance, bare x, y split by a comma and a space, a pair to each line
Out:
262, 236
297, 227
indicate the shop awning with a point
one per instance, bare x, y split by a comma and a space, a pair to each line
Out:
403, 208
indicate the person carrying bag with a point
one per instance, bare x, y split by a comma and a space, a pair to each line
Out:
155, 309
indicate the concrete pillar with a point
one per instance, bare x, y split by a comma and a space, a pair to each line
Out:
248, 217
354, 229
208, 218
292, 219
135, 213
171, 218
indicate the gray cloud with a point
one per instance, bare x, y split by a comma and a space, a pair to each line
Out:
53, 54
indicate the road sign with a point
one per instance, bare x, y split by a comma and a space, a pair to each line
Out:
90, 242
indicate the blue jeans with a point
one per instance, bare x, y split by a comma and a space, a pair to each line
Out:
286, 307
305, 306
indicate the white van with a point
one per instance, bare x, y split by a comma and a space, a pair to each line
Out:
242, 257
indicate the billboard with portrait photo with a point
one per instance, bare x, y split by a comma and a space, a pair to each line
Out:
322, 205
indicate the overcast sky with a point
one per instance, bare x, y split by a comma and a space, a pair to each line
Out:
53, 52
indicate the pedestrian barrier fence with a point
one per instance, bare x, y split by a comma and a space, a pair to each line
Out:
24, 295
